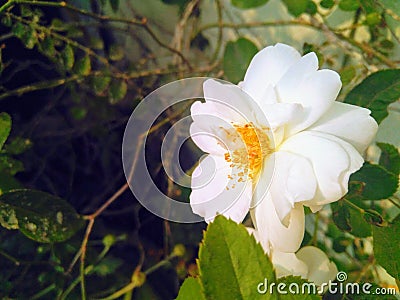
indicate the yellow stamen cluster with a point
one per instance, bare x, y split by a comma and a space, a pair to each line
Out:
250, 157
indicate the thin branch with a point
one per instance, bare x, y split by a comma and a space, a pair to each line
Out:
300, 22
142, 22
126, 76
220, 31
315, 24
63, 38
83, 256
164, 45
39, 86
395, 203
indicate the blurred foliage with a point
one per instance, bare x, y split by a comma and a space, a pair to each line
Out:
71, 74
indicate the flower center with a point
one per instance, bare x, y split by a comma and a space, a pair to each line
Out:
256, 147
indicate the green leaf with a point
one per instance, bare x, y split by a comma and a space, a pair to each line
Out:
327, 3
78, 112
100, 84
68, 57
347, 74
6, 20
377, 183
18, 30
311, 8
107, 266
387, 44
47, 46
10, 165
26, 11
40, 216
370, 6
390, 158
296, 7
117, 91
376, 92
349, 5
245, 4
237, 58
114, 5
8, 183
191, 289
341, 215
374, 218
108, 241
17, 146
232, 263
290, 283
386, 247
29, 37
96, 43
359, 225
116, 52
5, 128
83, 66
373, 19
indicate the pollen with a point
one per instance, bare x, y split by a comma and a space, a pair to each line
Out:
249, 158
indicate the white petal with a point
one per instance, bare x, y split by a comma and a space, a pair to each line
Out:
213, 192
316, 93
293, 181
320, 269
227, 101
329, 159
272, 233
356, 162
349, 122
279, 114
208, 136
266, 68
288, 264
295, 76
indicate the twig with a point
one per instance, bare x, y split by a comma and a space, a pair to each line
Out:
136, 282
394, 202
65, 39
142, 22
220, 31
315, 24
133, 75
300, 22
83, 256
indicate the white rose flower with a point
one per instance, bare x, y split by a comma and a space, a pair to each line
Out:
303, 155
309, 262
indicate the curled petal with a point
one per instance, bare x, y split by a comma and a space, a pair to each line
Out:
320, 269
295, 76
272, 233
348, 122
266, 68
288, 264
316, 93
293, 181
333, 161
